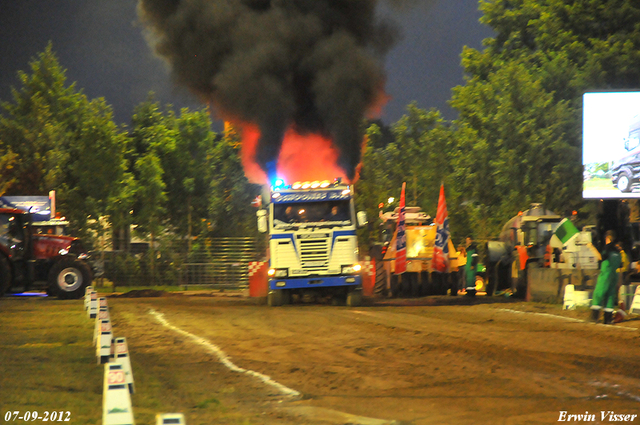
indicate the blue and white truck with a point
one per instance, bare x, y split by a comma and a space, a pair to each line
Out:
313, 248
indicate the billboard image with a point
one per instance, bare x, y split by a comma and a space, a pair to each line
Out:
611, 145
39, 206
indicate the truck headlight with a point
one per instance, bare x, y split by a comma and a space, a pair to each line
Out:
352, 269
278, 272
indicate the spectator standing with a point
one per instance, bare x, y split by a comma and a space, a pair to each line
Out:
471, 267
604, 294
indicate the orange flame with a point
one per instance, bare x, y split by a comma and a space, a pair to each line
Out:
303, 157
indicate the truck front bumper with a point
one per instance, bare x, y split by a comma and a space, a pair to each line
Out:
314, 282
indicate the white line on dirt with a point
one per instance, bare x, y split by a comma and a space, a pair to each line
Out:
571, 319
223, 357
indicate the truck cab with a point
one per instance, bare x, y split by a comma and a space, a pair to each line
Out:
313, 247
625, 172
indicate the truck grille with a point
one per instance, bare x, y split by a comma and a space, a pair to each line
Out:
314, 254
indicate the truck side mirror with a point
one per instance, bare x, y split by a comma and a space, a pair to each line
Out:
262, 221
362, 218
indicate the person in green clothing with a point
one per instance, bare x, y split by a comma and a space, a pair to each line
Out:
471, 267
604, 294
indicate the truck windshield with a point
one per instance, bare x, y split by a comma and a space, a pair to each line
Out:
322, 214
633, 141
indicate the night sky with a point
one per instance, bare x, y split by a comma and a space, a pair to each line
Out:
101, 45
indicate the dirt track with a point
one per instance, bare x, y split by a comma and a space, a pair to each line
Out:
430, 361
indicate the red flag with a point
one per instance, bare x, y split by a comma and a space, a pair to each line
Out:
401, 238
440, 260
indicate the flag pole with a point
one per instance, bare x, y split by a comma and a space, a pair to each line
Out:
401, 239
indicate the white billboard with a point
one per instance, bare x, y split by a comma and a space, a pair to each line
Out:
611, 145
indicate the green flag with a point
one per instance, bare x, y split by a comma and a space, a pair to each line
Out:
565, 231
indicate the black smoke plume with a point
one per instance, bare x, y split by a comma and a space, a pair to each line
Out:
315, 65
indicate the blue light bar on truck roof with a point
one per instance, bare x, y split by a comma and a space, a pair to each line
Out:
280, 184
311, 196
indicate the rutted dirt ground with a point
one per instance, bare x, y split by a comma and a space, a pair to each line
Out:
435, 360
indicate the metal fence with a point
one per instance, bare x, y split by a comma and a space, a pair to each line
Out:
216, 262
223, 262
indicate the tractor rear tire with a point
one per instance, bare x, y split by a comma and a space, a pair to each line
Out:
68, 278
5, 275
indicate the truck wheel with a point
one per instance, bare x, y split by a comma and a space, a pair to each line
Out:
68, 278
5, 276
444, 283
275, 298
415, 285
286, 296
405, 289
624, 181
354, 298
395, 286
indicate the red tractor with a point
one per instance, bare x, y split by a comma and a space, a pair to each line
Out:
28, 259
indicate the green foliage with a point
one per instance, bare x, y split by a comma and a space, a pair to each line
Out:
512, 137
55, 138
200, 187
7, 159
231, 193
37, 126
422, 155
519, 130
517, 138
150, 209
187, 172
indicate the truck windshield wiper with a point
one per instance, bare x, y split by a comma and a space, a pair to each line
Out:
285, 226
327, 224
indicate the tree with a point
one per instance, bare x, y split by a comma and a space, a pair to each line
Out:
422, 153
519, 129
61, 140
95, 173
35, 125
230, 192
7, 159
151, 137
186, 172
516, 150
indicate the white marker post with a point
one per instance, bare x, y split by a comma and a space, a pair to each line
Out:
573, 298
635, 304
170, 418
116, 401
120, 354
87, 297
569, 303
103, 346
102, 315
93, 305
